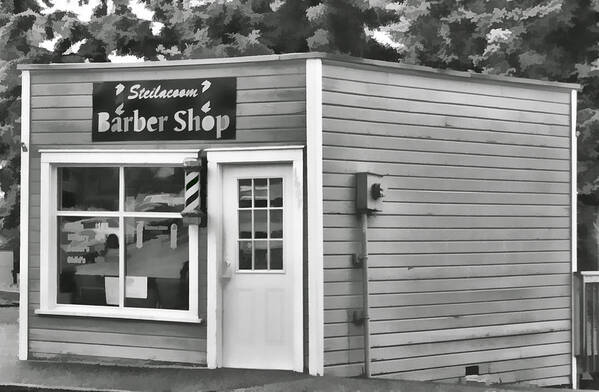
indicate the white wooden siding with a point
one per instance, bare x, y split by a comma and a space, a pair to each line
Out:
470, 258
270, 109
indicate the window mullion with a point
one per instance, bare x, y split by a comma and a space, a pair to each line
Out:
122, 244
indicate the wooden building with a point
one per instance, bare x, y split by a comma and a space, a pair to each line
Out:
470, 257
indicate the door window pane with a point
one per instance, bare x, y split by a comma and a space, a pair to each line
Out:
260, 192
88, 188
276, 192
260, 255
154, 189
245, 193
245, 224
88, 260
156, 263
276, 255
276, 223
245, 255
260, 224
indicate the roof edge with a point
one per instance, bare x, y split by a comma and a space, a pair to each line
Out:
300, 56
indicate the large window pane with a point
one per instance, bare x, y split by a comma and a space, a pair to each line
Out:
88, 188
156, 263
154, 189
88, 261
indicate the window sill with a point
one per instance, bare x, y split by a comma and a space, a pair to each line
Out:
165, 315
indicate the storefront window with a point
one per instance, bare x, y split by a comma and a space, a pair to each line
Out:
122, 247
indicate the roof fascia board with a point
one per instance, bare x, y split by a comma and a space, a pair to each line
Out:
326, 57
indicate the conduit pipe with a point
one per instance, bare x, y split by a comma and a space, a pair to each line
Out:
365, 291
369, 200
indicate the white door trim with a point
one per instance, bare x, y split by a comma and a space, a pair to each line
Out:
217, 158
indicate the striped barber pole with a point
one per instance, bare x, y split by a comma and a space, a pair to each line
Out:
192, 214
192, 191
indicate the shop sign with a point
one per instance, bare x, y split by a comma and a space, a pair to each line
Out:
183, 109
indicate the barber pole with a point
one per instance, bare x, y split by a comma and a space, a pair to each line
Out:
192, 190
192, 214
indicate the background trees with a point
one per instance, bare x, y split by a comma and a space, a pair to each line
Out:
550, 39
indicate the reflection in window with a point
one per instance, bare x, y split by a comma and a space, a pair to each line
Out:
260, 218
88, 260
154, 189
245, 193
245, 255
245, 224
276, 192
260, 192
276, 255
155, 247
156, 263
88, 188
260, 223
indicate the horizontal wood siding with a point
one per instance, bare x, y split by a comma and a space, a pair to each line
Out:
470, 257
270, 110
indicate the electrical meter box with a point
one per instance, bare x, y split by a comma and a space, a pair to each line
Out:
369, 192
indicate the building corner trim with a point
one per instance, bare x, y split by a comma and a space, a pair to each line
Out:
315, 216
24, 219
573, 228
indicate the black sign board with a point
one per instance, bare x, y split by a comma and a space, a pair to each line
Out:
183, 109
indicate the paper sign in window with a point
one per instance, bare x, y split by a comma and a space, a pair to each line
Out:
136, 287
111, 287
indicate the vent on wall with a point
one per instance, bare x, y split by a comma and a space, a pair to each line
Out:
472, 370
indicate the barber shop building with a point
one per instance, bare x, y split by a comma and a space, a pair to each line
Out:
307, 212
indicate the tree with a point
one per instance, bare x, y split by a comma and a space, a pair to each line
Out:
247, 27
22, 27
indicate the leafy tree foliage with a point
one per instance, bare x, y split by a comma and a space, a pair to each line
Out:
22, 27
552, 40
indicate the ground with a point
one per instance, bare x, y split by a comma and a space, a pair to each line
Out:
47, 376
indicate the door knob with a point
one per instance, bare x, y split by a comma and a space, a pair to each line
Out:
226, 271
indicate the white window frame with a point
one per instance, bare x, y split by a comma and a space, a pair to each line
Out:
50, 161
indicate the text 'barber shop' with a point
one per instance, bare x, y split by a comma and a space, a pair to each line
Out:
190, 109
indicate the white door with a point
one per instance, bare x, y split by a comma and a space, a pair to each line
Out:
260, 274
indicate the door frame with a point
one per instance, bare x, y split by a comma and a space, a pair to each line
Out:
218, 158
